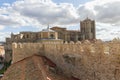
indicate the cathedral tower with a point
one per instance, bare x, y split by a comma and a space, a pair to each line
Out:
88, 31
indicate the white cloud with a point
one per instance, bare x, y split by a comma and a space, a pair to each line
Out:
37, 13
48, 12
1, 27
105, 11
3, 35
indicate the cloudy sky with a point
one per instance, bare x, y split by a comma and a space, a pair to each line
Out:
35, 15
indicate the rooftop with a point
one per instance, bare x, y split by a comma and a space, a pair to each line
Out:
31, 68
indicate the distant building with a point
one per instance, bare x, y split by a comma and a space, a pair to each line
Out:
67, 35
45, 34
87, 31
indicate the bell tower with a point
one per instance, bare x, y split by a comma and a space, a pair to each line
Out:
88, 31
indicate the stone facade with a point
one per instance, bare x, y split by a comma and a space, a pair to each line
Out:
83, 60
67, 35
88, 29
32, 36
87, 32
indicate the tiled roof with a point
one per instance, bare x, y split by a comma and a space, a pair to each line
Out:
31, 68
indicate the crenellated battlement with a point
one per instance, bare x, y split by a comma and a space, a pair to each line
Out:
85, 60
78, 47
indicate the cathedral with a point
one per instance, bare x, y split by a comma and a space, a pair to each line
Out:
87, 32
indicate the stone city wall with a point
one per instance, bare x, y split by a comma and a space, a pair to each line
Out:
86, 61
23, 50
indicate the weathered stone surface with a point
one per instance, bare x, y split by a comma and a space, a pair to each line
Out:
93, 61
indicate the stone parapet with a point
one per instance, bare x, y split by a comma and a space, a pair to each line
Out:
83, 60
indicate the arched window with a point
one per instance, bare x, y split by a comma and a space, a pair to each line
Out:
27, 36
23, 37
51, 36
